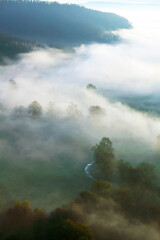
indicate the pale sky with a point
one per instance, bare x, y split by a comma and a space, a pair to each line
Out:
123, 1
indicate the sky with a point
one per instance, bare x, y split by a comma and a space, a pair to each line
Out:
112, 1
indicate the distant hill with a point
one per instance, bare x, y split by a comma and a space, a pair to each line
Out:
56, 24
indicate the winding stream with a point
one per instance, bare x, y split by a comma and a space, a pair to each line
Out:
87, 170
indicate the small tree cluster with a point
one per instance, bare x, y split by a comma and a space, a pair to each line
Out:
96, 111
90, 86
35, 109
104, 157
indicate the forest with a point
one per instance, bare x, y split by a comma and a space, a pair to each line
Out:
11, 46
121, 201
52, 24
121, 206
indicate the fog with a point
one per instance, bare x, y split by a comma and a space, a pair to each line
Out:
44, 159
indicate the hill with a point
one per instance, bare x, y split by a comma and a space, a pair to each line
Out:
58, 24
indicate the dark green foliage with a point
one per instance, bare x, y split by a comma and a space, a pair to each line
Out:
136, 202
101, 188
137, 191
86, 197
104, 158
119, 172
68, 230
90, 86
34, 109
61, 214
10, 46
96, 111
144, 174
26, 25
58, 24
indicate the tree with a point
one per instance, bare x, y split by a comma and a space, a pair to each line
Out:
18, 219
147, 175
19, 111
69, 230
87, 198
104, 157
75, 230
35, 109
73, 110
123, 171
13, 84
101, 188
143, 175
61, 224
90, 86
18, 222
96, 111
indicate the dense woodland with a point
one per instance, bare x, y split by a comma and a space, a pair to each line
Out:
25, 25
11, 46
132, 197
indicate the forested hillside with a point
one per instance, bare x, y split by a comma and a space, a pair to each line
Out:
58, 24
10, 46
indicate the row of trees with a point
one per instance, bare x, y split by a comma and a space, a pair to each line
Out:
23, 222
78, 219
120, 172
35, 110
